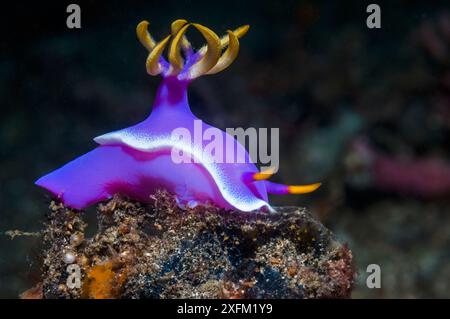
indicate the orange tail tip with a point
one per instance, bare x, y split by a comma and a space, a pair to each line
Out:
303, 189
260, 176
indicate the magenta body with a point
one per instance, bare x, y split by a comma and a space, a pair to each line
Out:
137, 161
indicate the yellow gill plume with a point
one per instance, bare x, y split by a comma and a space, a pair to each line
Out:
152, 64
211, 58
175, 58
144, 36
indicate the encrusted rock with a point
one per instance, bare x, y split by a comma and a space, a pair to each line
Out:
161, 251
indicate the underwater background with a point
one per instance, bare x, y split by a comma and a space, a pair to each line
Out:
364, 111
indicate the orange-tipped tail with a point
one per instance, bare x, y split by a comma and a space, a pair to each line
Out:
281, 189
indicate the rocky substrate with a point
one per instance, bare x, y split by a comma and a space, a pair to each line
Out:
161, 251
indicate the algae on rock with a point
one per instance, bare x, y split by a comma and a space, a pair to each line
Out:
161, 251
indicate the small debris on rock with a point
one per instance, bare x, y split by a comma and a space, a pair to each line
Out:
159, 250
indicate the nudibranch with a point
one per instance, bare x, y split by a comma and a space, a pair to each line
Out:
136, 161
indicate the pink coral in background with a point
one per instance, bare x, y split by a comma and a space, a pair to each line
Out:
421, 177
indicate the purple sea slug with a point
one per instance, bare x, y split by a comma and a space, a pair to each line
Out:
136, 161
